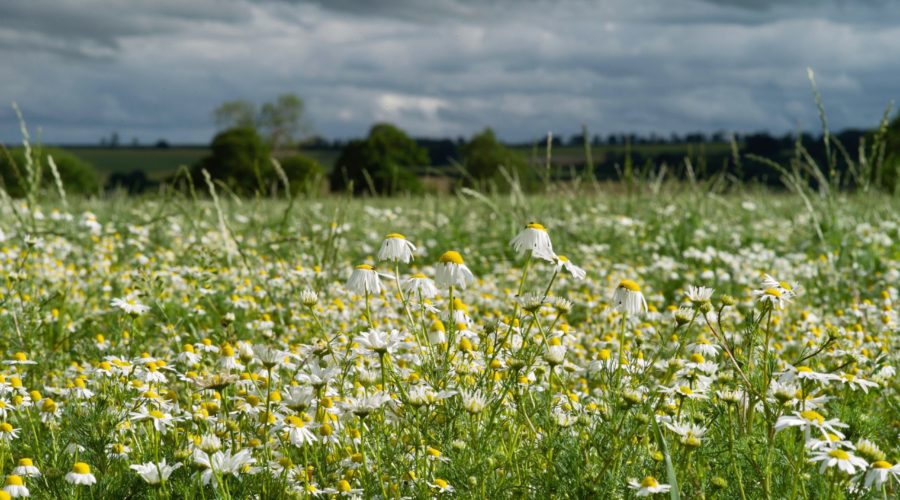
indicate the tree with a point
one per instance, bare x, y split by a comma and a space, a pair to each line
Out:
483, 157
235, 114
239, 158
305, 174
381, 163
77, 175
282, 122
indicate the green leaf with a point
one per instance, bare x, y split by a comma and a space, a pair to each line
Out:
670, 470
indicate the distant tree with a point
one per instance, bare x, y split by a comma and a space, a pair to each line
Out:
134, 182
114, 140
239, 158
162, 144
77, 175
304, 173
381, 163
235, 114
282, 122
483, 157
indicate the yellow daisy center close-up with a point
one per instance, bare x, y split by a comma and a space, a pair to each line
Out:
881, 464
772, 292
535, 225
395, 236
451, 257
365, 267
839, 454
630, 285
812, 416
13, 480
649, 482
81, 468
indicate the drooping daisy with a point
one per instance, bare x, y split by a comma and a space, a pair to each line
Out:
8, 432
881, 472
26, 468
15, 486
378, 341
396, 248
155, 473
419, 285
452, 271
534, 239
843, 460
473, 401
563, 262
648, 486
441, 485
628, 298
364, 280
81, 475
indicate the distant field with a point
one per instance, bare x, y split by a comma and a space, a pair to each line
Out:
159, 163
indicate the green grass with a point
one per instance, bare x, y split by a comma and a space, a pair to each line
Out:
230, 274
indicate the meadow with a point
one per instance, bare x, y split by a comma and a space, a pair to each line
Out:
611, 343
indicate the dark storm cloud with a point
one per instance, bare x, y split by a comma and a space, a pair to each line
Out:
447, 67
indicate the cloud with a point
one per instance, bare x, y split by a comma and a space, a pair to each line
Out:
451, 67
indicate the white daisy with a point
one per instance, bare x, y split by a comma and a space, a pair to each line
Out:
534, 239
628, 298
648, 486
396, 248
364, 280
452, 271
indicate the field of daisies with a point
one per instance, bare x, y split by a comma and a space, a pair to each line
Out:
604, 345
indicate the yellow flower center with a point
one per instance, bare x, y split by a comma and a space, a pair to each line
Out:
441, 483
20, 356
395, 236
13, 480
6, 428
784, 284
343, 486
365, 267
629, 285
535, 225
157, 414
881, 464
25, 462
804, 369
839, 454
562, 258
686, 390
649, 482
419, 276
451, 257
812, 416
772, 292
81, 468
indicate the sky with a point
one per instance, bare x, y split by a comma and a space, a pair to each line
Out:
81, 69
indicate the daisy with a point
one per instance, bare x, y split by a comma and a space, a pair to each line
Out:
81, 475
786, 288
309, 297
563, 262
396, 248
855, 382
534, 239
130, 305
810, 419
8, 432
379, 342
845, 461
774, 297
15, 486
419, 285
222, 463
155, 473
441, 486
628, 298
364, 280
473, 401
452, 271
648, 486
161, 420
698, 294
298, 434
26, 468
881, 472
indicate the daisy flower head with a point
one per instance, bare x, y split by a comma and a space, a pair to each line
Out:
787, 288
810, 419
535, 239
81, 475
698, 294
628, 298
563, 262
155, 473
364, 280
396, 248
441, 485
880, 472
452, 271
648, 486
130, 305
419, 285
845, 461
26, 468
15, 486
773, 297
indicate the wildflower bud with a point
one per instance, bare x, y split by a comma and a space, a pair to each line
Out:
719, 482
706, 307
309, 298
682, 317
657, 456
473, 481
210, 443
728, 300
458, 444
